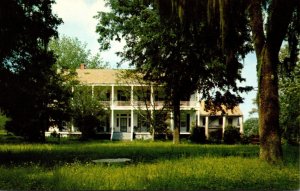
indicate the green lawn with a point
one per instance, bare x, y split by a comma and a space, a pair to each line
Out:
155, 166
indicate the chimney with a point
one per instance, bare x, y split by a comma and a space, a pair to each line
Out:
82, 66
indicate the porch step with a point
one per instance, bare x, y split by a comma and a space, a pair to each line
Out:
121, 136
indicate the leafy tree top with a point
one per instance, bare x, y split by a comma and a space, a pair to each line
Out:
70, 53
166, 52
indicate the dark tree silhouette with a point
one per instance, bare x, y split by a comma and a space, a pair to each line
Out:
31, 93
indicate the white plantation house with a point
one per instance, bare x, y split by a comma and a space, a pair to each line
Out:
126, 119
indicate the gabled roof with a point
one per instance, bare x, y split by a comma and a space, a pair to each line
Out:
98, 76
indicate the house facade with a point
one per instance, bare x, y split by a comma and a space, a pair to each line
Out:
130, 105
128, 111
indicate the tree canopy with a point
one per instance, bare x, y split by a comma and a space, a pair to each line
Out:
168, 53
289, 96
70, 53
270, 22
31, 93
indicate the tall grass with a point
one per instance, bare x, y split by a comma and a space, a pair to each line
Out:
155, 166
138, 151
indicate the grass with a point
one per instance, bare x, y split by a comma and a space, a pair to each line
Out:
155, 166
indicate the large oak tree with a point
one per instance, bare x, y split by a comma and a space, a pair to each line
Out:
178, 56
31, 93
271, 22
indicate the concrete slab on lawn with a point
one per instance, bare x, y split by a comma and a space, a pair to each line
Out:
112, 160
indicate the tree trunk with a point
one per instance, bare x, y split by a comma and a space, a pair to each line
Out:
176, 119
267, 42
270, 140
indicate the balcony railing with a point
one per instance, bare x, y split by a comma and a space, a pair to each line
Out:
148, 103
188, 103
122, 103
105, 103
142, 103
159, 103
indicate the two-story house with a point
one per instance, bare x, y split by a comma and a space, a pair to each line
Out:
127, 110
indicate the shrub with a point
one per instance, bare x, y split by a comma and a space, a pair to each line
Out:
251, 127
198, 135
231, 135
215, 136
88, 125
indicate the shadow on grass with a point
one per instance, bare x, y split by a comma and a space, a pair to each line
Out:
61, 151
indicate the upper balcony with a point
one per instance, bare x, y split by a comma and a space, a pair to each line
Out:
146, 104
137, 97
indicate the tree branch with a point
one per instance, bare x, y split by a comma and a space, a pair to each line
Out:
280, 14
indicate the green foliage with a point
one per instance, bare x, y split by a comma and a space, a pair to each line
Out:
3, 120
171, 54
70, 53
251, 126
155, 166
198, 134
289, 96
252, 23
150, 115
231, 135
87, 111
215, 136
31, 92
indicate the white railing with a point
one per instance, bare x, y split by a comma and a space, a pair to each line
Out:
188, 103
148, 103
122, 103
105, 103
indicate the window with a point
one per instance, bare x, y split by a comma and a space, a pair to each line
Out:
230, 121
122, 96
220, 121
159, 95
142, 95
107, 95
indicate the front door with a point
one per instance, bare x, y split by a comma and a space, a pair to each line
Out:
123, 124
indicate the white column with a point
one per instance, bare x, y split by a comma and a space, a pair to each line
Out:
151, 97
131, 124
152, 106
241, 124
112, 96
224, 124
131, 116
131, 96
72, 125
198, 118
206, 127
112, 124
172, 121
72, 120
112, 117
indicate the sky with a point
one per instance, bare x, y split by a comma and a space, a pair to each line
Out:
78, 21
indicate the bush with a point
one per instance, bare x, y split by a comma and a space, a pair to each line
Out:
198, 135
88, 126
215, 136
231, 135
251, 127
166, 135
3, 120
